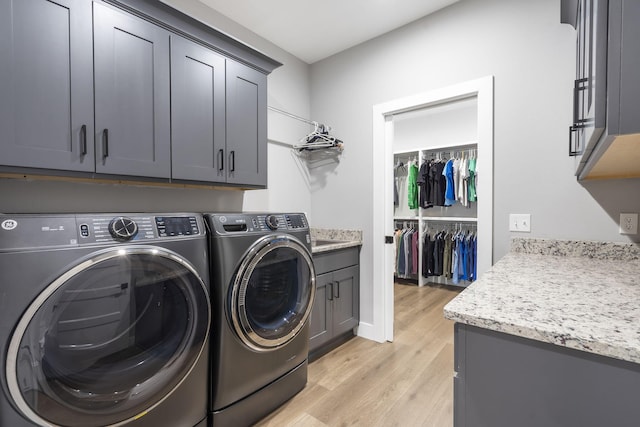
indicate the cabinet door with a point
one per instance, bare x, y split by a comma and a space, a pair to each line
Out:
46, 89
197, 112
320, 320
629, 57
132, 95
246, 125
345, 299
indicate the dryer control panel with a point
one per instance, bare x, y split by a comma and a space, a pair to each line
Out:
22, 231
259, 222
137, 227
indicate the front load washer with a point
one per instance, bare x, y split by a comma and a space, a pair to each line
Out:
262, 289
104, 320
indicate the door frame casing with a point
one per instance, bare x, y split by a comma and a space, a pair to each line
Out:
381, 328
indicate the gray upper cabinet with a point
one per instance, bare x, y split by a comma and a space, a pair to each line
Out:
46, 84
131, 95
197, 112
129, 88
246, 149
605, 134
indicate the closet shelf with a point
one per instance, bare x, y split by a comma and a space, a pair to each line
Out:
406, 218
449, 218
447, 147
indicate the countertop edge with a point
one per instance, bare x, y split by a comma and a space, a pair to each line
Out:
335, 246
563, 340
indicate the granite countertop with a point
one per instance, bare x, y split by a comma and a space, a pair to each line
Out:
581, 295
333, 239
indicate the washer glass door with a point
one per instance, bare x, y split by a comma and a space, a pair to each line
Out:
109, 339
273, 292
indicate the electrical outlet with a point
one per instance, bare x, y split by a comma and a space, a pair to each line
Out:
520, 222
628, 223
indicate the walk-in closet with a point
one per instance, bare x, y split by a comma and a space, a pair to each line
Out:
438, 186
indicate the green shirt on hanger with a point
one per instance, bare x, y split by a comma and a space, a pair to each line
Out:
412, 185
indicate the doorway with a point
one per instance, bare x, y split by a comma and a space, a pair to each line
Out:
382, 203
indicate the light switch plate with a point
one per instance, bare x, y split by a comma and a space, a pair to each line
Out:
628, 223
520, 222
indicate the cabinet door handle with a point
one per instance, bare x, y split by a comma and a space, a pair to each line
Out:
232, 160
105, 143
220, 159
83, 140
574, 150
337, 289
579, 85
330, 288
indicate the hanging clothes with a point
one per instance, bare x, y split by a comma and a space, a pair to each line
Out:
415, 252
412, 185
427, 256
406, 244
424, 188
401, 259
449, 192
447, 256
452, 256
473, 196
396, 198
437, 182
463, 174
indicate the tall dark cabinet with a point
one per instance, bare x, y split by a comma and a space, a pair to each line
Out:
46, 84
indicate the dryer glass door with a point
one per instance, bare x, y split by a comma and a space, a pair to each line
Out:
273, 292
109, 339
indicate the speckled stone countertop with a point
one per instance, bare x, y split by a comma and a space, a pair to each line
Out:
340, 239
581, 295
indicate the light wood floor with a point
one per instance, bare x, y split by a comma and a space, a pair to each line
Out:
404, 383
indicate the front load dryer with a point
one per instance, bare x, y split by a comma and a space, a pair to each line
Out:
104, 320
262, 289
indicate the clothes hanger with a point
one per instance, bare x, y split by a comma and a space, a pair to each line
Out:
319, 138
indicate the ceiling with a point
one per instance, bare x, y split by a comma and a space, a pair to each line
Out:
313, 30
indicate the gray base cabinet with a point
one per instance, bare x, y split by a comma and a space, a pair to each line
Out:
503, 380
165, 100
46, 84
336, 311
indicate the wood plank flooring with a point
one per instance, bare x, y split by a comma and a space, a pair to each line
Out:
404, 383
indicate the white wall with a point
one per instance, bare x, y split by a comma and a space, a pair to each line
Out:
287, 177
531, 55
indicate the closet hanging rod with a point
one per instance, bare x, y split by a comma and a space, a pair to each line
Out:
293, 116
